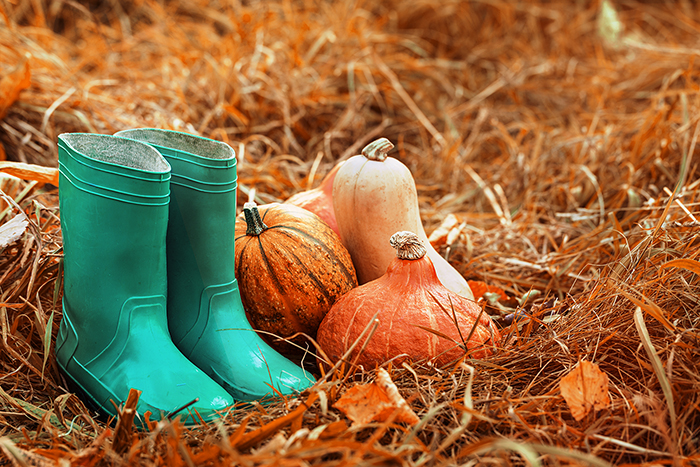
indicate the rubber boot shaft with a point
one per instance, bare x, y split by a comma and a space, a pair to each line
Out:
206, 316
114, 199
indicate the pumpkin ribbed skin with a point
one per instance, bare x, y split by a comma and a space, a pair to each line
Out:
406, 299
292, 272
319, 200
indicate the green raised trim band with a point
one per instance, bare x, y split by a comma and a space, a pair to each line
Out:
110, 193
197, 185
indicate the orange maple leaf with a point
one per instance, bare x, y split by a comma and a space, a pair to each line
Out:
375, 402
585, 388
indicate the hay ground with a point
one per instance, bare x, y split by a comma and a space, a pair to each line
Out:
566, 140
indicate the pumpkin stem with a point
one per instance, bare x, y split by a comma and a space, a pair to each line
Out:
377, 150
408, 245
255, 225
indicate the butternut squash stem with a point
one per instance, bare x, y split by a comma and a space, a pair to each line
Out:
377, 150
408, 245
255, 225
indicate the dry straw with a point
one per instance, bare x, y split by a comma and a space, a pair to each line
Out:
565, 134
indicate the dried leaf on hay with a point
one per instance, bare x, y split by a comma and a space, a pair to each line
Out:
479, 288
585, 388
12, 230
376, 402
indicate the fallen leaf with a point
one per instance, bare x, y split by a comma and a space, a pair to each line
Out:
12, 230
13, 83
480, 288
375, 402
585, 388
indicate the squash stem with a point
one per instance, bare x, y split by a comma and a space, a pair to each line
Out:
408, 245
255, 225
377, 150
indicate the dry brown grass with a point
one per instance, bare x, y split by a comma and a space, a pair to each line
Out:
574, 160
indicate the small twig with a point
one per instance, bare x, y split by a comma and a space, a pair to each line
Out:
172, 414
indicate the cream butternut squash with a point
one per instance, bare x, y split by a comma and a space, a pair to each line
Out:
375, 196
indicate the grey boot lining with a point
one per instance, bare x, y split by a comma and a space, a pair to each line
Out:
115, 150
202, 147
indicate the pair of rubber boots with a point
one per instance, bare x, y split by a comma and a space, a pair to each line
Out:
150, 298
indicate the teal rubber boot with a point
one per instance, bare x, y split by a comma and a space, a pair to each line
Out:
205, 313
113, 198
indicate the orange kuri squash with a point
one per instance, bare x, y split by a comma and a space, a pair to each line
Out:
417, 317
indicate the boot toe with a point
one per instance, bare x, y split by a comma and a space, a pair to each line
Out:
275, 376
210, 403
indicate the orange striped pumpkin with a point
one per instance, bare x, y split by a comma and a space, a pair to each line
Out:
291, 268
